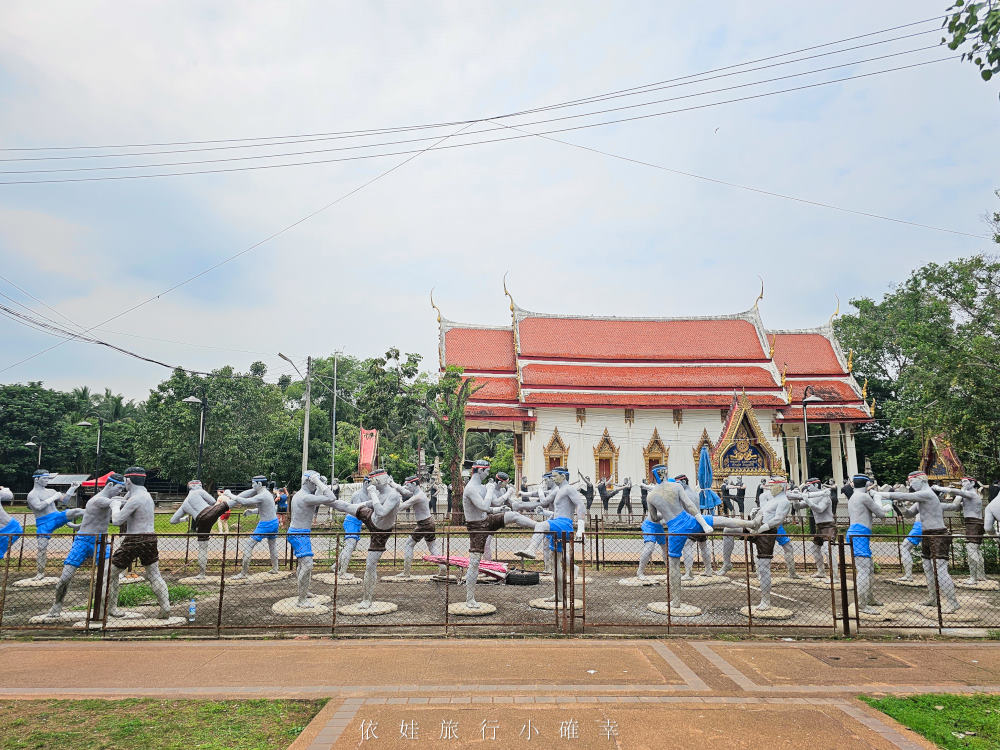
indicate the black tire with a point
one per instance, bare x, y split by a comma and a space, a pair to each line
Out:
518, 578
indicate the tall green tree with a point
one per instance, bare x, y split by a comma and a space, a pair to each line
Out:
445, 402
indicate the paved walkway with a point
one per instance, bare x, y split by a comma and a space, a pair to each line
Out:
572, 693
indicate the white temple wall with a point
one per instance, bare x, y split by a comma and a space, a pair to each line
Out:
631, 439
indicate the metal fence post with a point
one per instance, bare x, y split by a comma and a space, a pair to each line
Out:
746, 571
3, 588
447, 569
937, 589
222, 585
336, 578
96, 592
843, 588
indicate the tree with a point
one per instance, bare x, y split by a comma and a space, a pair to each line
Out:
34, 412
445, 402
930, 350
976, 27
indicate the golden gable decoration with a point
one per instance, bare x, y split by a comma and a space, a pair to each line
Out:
606, 450
556, 451
743, 449
655, 452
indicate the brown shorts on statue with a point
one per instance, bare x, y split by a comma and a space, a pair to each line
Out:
698, 538
974, 530
141, 547
424, 530
205, 520
379, 537
480, 530
765, 543
935, 544
826, 531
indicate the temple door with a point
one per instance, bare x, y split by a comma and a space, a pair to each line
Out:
554, 461
604, 467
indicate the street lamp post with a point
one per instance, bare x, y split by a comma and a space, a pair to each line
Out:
308, 399
32, 444
201, 428
809, 397
100, 430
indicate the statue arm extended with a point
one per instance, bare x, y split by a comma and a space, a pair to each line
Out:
876, 508
179, 515
403, 491
479, 501
580, 505
120, 513
691, 506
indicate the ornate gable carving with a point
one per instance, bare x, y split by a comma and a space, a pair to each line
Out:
608, 451
939, 460
655, 450
555, 448
703, 441
743, 448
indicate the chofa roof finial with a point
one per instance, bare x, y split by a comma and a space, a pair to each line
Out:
436, 307
761, 295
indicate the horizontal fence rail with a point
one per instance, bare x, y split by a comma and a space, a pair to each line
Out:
588, 585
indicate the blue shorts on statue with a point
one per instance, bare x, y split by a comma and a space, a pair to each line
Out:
653, 532
914, 536
265, 530
352, 527
682, 525
859, 537
8, 535
560, 530
300, 542
83, 549
45, 525
781, 537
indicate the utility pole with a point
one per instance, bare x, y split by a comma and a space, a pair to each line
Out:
333, 423
305, 428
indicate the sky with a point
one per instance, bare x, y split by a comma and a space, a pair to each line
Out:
578, 232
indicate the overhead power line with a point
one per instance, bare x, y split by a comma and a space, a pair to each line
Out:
687, 80
437, 147
453, 123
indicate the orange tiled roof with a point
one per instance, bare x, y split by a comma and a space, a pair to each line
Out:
828, 390
693, 376
480, 349
725, 339
806, 354
495, 389
627, 399
820, 413
497, 411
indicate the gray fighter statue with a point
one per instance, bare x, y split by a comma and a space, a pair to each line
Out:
415, 499
699, 539
480, 522
972, 514
378, 514
139, 543
501, 495
259, 497
313, 494
935, 542
992, 515
861, 507
774, 508
567, 504
352, 535
96, 517
203, 510
42, 502
10, 527
816, 498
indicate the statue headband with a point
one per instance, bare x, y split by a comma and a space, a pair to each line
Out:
865, 477
503, 476
259, 478
376, 473
480, 464
42, 473
812, 480
411, 478
917, 475
120, 480
135, 471
681, 478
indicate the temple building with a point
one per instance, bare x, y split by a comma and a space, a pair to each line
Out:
612, 397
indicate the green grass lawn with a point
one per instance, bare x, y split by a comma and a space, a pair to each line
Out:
154, 724
953, 722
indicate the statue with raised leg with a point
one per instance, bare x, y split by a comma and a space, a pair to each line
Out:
139, 543
10, 527
481, 522
606, 497
544, 497
774, 508
42, 502
260, 498
500, 494
972, 514
378, 514
415, 499
861, 507
203, 510
670, 505
816, 498
93, 527
352, 535
935, 541
653, 536
910, 544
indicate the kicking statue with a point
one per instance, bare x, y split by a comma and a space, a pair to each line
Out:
500, 493
259, 497
935, 541
816, 498
203, 510
567, 503
544, 494
93, 527
42, 502
671, 505
416, 499
910, 544
138, 543
861, 507
774, 508
10, 527
352, 535
772, 511
378, 514
480, 522
972, 513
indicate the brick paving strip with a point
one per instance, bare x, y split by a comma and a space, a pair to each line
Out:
797, 688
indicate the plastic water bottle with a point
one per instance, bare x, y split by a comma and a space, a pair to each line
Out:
191, 610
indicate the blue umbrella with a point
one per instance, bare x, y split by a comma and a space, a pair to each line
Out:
708, 499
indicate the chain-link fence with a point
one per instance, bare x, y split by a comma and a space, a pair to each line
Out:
611, 581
